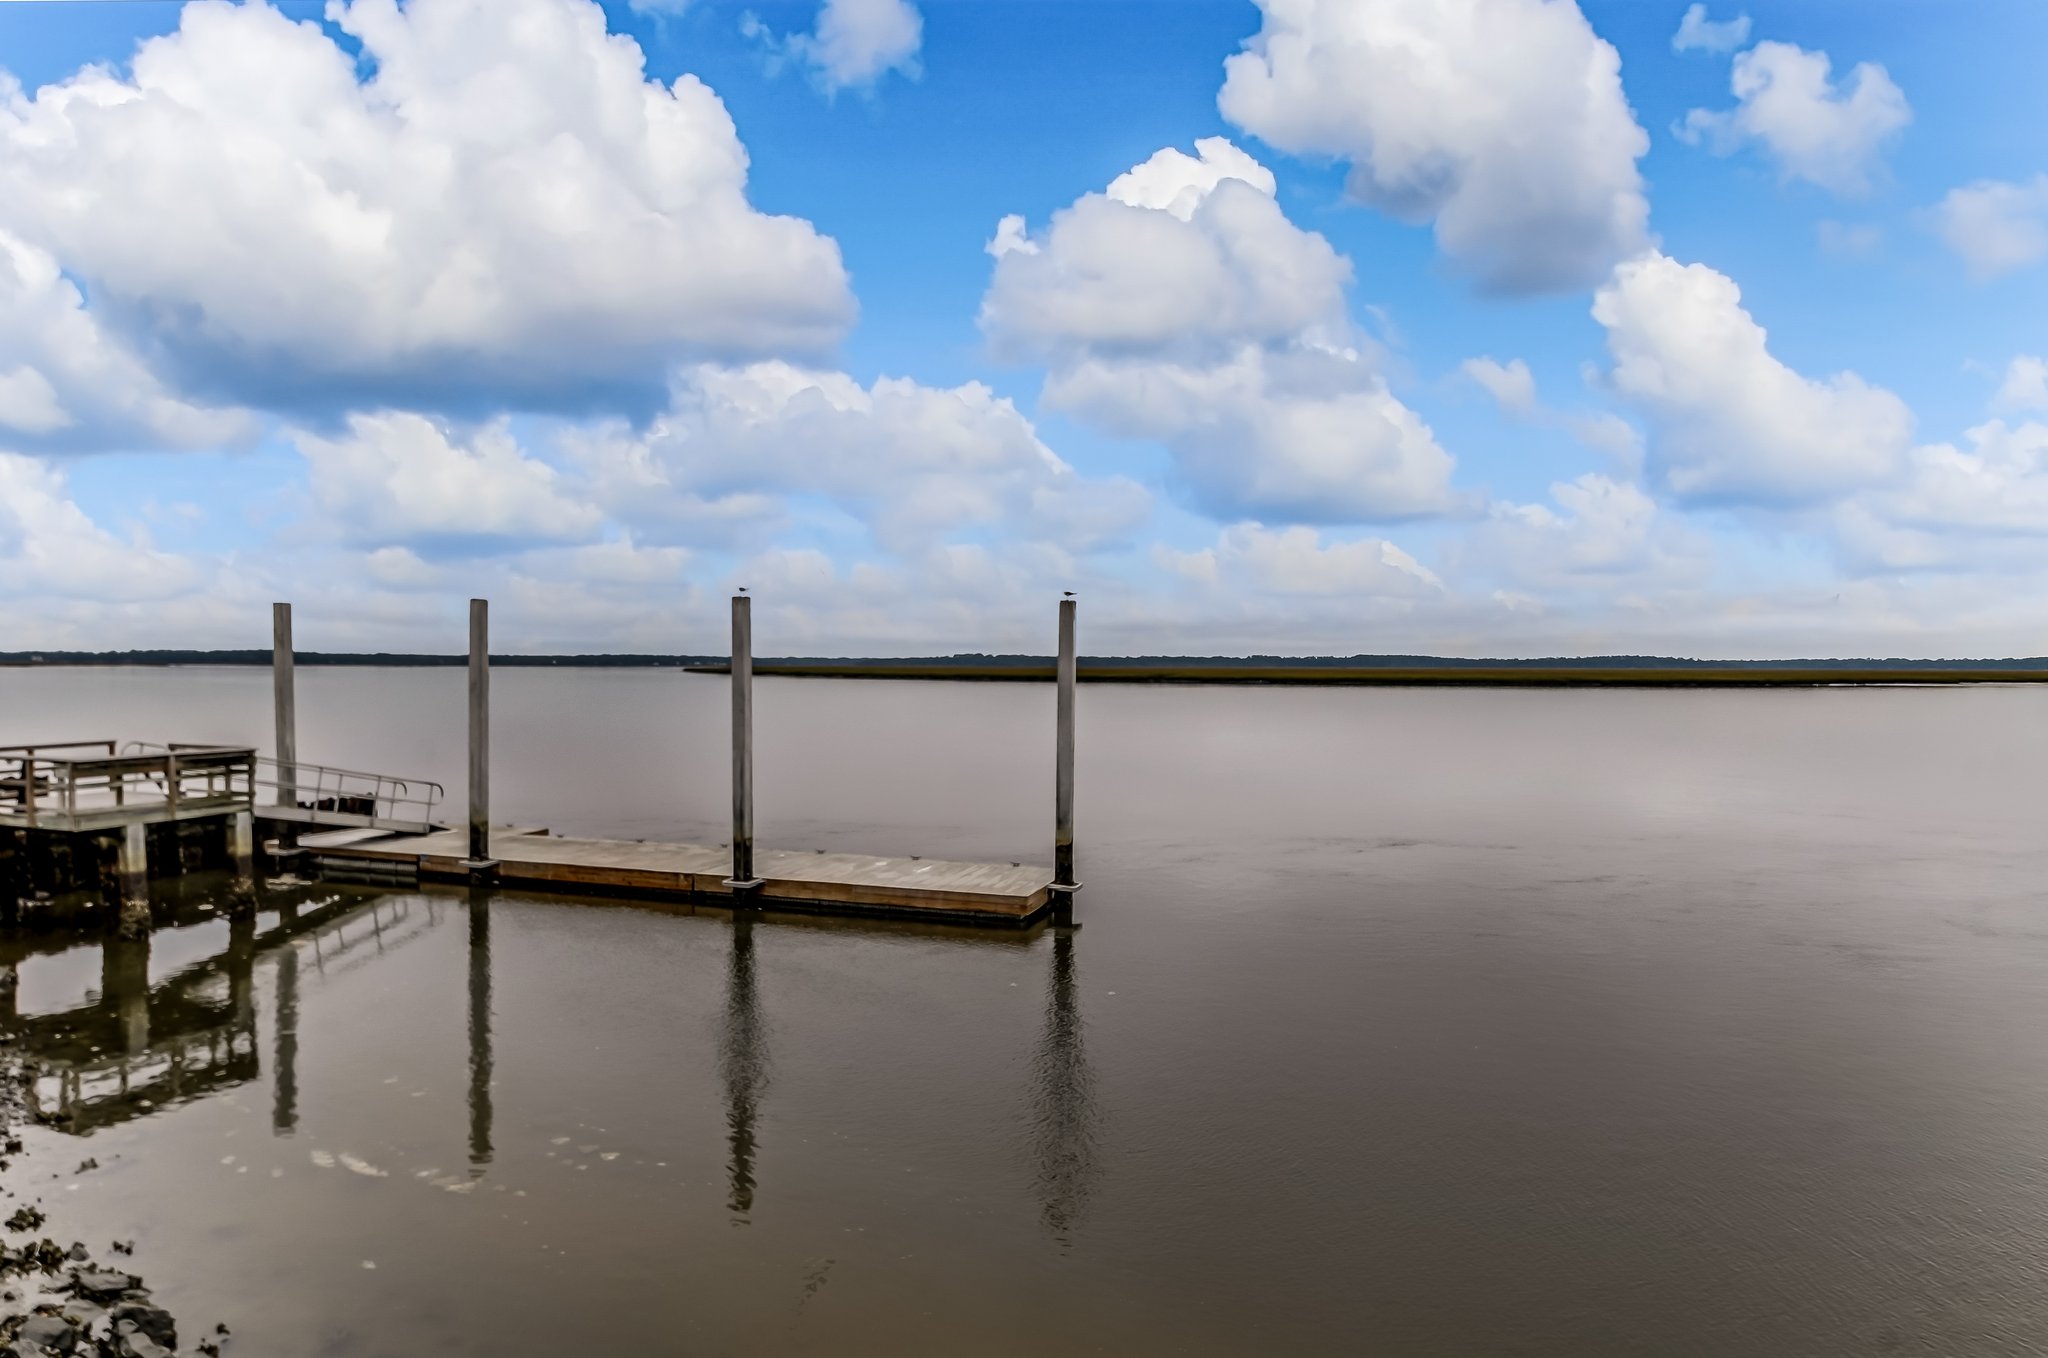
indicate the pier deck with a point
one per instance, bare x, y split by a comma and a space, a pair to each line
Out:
991, 892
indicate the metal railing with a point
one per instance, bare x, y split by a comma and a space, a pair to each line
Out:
100, 784
320, 793
94, 784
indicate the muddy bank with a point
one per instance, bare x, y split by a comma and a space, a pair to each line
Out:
69, 1299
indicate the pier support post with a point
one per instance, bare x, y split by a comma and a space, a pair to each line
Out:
242, 849
132, 868
16, 880
480, 863
743, 879
1064, 885
284, 700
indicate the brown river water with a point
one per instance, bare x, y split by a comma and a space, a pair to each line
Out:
1435, 1022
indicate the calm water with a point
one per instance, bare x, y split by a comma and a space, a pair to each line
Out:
1404, 1022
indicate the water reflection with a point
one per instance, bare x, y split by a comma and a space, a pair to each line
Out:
124, 988
742, 1063
479, 1032
1064, 1114
284, 1092
241, 969
135, 1047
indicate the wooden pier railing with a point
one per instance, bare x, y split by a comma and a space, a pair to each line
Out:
94, 785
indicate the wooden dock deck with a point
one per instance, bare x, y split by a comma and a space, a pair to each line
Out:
992, 893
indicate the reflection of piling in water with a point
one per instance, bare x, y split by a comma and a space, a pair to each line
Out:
1064, 1115
1065, 674
124, 987
479, 1032
284, 1106
241, 968
742, 1062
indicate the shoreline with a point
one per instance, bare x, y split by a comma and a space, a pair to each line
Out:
1401, 677
1303, 673
65, 1300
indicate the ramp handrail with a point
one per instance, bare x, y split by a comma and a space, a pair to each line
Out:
323, 787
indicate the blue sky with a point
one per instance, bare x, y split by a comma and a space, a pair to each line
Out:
1467, 326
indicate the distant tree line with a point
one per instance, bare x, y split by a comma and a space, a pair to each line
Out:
977, 659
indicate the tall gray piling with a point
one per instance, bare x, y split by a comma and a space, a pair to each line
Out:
743, 878
1063, 761
479, 735
285, 701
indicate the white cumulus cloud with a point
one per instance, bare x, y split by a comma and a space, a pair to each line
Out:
67, 384
1510, 384
1980, 505
1995, 226
50, 549
1182, 306
1296, 561
490, 200
917, 464
1814, 128
1598, 532
1729, 421
1697, 33
397, 477
1182, 254
1299, 436
853, 44
1502, 121
2025, 386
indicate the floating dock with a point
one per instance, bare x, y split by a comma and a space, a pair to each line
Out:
992, 893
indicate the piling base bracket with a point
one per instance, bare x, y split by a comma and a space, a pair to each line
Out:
746, 887
480, 869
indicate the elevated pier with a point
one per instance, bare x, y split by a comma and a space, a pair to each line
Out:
109, 816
